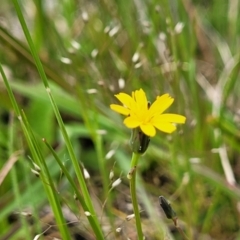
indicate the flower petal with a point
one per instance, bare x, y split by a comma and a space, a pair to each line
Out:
131, 122
148, 129
161, 104
169, 117
165, 127
120, 109
125, 99
141, 100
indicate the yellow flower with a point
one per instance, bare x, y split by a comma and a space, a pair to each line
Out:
139, 114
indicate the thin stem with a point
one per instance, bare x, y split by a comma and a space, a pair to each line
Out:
180, 229
91, 219
132, 178
52, 194
13, 173
79, 174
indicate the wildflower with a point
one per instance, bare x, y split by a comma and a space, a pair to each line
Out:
141, 115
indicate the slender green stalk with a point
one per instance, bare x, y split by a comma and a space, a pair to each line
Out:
106, 193
39, 66
77, 169
132, 178
46, 178
37, 156
10, 92
14, 176
99, 151
30, 43
94, 226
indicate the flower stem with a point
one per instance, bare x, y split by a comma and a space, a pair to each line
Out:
132, 178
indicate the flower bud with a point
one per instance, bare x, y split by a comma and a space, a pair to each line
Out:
139, 141
166, 206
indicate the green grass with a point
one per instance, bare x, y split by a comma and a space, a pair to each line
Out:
196, 168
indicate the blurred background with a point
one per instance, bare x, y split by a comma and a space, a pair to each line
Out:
91, 50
